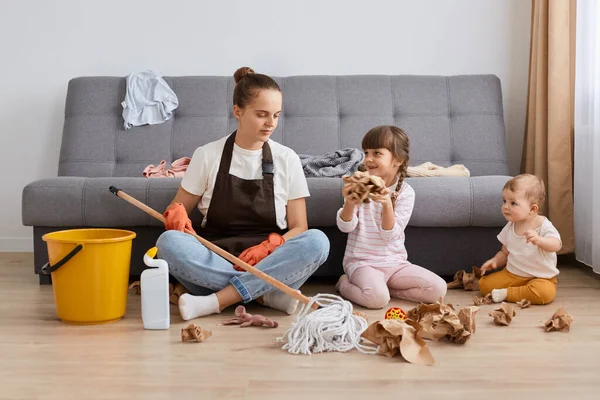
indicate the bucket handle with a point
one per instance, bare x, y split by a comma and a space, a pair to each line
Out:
47, 269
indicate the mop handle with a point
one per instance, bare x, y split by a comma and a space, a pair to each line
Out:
230, 257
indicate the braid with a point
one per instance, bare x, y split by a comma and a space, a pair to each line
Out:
401, 175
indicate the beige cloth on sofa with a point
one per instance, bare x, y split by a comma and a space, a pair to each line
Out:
430, 169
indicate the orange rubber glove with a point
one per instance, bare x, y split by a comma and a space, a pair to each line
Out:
176, 218
253, 255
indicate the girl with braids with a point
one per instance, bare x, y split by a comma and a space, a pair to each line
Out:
376, 262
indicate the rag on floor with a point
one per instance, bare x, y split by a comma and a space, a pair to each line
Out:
429, 169
148, 99
176, 170
333, 164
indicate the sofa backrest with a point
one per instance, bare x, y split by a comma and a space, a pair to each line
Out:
450, 120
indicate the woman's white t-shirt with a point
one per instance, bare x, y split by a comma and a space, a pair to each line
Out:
526, 259
288, 180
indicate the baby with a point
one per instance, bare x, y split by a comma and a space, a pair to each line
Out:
529, 246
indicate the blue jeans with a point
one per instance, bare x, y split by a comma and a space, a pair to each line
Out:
201, 271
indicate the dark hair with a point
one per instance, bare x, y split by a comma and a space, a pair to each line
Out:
248, 84
396, 141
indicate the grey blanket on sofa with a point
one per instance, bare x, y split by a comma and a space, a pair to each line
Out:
333, 164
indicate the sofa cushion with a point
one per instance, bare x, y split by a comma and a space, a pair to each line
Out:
458, 201
449, 119
77, 201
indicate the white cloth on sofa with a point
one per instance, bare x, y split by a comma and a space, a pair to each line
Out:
148, 100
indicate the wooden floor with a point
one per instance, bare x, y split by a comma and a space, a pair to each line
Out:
43, 358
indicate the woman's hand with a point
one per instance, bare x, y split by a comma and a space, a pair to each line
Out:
176, 218
255, 254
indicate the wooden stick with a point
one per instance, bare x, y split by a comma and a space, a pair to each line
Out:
230, 257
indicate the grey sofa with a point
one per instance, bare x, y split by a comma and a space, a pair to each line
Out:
450, 120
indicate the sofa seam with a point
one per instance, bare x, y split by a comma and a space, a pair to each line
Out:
409, 114
471, 202
452, 149
83, 202
105, 162
117, 121
339, 116
393, 104
172, 128
147, 200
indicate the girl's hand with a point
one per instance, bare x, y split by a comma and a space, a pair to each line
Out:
350, 199
382, 198
532, 236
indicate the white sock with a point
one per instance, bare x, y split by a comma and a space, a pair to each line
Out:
499, 295
280, 301
191, 307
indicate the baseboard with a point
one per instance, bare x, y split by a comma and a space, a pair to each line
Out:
16, 244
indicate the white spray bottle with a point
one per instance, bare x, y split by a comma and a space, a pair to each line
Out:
154, 284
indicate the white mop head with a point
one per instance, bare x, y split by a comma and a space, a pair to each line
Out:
330, 328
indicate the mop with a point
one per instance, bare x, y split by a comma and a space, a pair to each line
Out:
325, 323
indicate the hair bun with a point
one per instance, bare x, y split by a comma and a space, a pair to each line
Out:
242, 72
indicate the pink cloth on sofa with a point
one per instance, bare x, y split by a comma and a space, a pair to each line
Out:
158, 171
177, 169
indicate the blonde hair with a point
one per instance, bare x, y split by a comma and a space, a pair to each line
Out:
532, 185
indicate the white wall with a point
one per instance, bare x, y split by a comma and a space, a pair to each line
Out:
46, 43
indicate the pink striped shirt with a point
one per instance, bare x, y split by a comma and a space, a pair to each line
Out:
368, 243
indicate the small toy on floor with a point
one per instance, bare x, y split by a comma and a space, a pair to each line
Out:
245, 319
194, 332
395, 313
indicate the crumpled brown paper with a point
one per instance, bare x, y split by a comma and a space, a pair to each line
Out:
194, 332
524, 303
439, 320
135, 286
560, 321
174, 291
466, 280
487, 299
360, 185
504, 314
395, 336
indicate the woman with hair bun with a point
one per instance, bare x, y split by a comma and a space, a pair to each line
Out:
251, 192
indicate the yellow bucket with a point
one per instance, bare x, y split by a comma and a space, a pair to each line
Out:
90, 273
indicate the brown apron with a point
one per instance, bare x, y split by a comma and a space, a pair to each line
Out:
241, 213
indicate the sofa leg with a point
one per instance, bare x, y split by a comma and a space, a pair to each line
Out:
45, 279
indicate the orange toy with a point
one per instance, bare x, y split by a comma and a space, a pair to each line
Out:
395, 313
